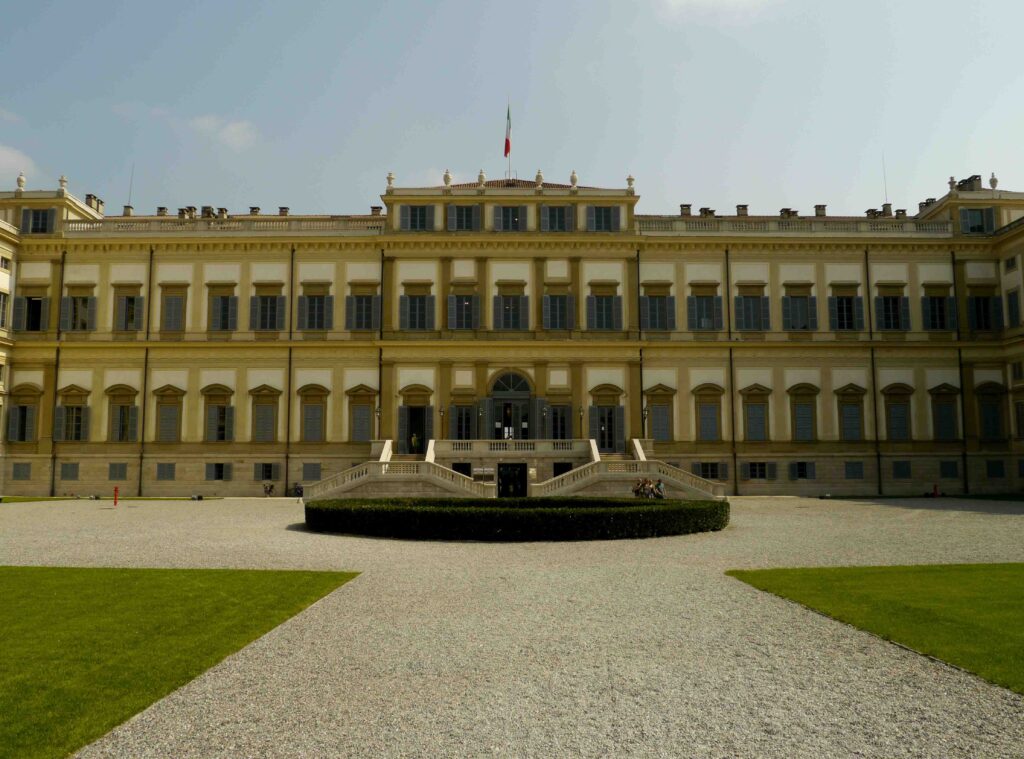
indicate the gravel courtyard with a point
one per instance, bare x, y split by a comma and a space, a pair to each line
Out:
625, 648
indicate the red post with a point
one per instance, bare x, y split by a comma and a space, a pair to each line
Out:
115, 495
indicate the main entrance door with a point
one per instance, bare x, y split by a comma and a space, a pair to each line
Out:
416, 442
511, 480
511, 397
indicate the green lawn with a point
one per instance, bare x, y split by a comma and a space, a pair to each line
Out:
971, 615
82, 650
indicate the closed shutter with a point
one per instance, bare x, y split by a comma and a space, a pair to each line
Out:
545, 306
620, 429
833, 314
430, 218
497, 219
212, 415
375, 312
282, 305
850, 425
403, 311
263, 421
926, 315
254, 313
616, 219
708, 413
475, 215
594, 422
570, 311
475, 303
670, 313
757, 422
133, 424
65, 314
361, 424
719, 315
997, 313
85, 423
691, 313
766, 313
329, 312
450, 221
617, 312
496, 313
741, 317
430, 308
121, 317
545, 224
905, 313
59, 415
591, 218
403, 218
452, 312
898, 421
803, 421
661, 418
303, 312
858, 313
13, 418
570, 218
403, 429
521, 227
167, 423
90, 313
18, 321
812, 313
645, 312
952, 320
945, 421
991, 421
428, 425
173, 313
312, 423
350, 313
787, 312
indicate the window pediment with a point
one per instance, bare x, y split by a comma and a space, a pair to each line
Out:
361, 392
897, 388
944, 389
708, 388
755, 390
851, 390
990, 388
121, 390
804, 388
169, 391
265, 391
313, 391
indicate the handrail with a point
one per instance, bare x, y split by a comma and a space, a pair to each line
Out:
638, 450
594, 470
429, 457
398, 469
386, 451
595, 454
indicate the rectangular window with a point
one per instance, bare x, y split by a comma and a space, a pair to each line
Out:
263, 472
708, 416
558, 312
224, 313
901, 470
704, 312
660, 312
799, 313
991, 417
465, 309
219, 423
897, 420
944, 419
128, 313
78, 313
801, 470
467, 218
5, 263
979, 312
803, 421
172, 314
510, 312
604, 312
316, 312
854, 470
165, 471
69, 470
267, 313
123, 423
363, 312
1018, 410
949, 470
167, 417
21, 470
557, 219
756, 417
977, 221
264, 422
38, 221
4, 297
561, 422
71, 423
752, 313
117, 472
311, 471
709, 470
603, 218
419, 218
1013, 308
995, 469
510, 219
935, 312
850, 422
31, 313
757, 470
464, 419
845, 313
1010, 264
1017, 370
890, 312
218, 472
418, 311
21, 424
312, 423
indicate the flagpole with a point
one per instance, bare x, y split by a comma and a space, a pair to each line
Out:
508, 111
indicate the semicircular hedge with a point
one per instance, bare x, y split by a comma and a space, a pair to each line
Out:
516, 519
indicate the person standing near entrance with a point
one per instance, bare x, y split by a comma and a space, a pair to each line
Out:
414, 443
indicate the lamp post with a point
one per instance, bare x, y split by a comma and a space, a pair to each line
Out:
479, 421
376, 412
581, 423
644, 414
443, 436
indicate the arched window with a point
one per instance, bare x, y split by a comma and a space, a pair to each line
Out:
707, 400
511, 382
850, 401
803, 402
755, 412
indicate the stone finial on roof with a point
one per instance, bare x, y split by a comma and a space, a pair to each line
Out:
447, 178
629, 181
993, 181
952, 184
391, 180
63, 182
539, 179
481, 178
573, 179
21, 180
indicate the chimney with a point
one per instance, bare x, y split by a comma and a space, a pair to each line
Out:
161, 210
191, 212
705, 211
182, 213
785, 213
819, 210
254, 210
375, 210
128, 210
99, 205
207, 212
684, 209
222, 213
90, 200
741, 210
929, 201
871, 213
282, 210
901, 213
887, 209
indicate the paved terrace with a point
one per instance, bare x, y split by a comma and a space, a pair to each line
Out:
582, 649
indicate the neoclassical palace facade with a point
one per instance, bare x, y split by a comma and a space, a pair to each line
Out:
543, 333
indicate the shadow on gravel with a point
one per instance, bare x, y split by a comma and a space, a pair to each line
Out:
967, 505
299, 527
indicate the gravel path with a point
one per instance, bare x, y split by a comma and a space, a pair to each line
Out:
625, 648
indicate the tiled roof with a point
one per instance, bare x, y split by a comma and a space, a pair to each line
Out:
520, 184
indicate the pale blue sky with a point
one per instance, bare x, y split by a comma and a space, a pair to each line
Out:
709, 102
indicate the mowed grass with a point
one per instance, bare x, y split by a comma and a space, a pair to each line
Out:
971, 615
82, 650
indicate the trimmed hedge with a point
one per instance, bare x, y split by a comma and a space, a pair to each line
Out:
516, 519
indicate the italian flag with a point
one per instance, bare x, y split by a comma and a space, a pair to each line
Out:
508, 132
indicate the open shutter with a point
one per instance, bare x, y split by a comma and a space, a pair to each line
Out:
741, 320
303, 312
428, 425
545, 307
812, 313
545, 223
404, 216
926, 314
26, 221
350, 313
904, 313
121, 313
65, 314
771, 469
570, 218
570, 311
133, 424
282, 305
403, 429
497, 219
403, 311
51, 220
475, 302
90, 313
375, 312
616, 218
476, 217
523, 216
453, 423
451, 312
85, 423
719, 315
18, 319
617, 312
811, 473
430, 218
254, 313
965, 221
787, 312
229, 423
792, 470
878, 312
833, 314
487, 406
211, 472
450, 213
997, 313
524, 312
766, 313
695, 468
211, 423
591, 218
620, 429
990, 221
745, 471
645, 312
858, 313
723, 471
496, 313
430, 309
670, 311
691, 313
951, 314
59, 414
594, 422
13, 417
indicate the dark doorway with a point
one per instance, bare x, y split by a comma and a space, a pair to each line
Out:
561, 467
416, 442
514, 419
606, 429
511, 480
463, 467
